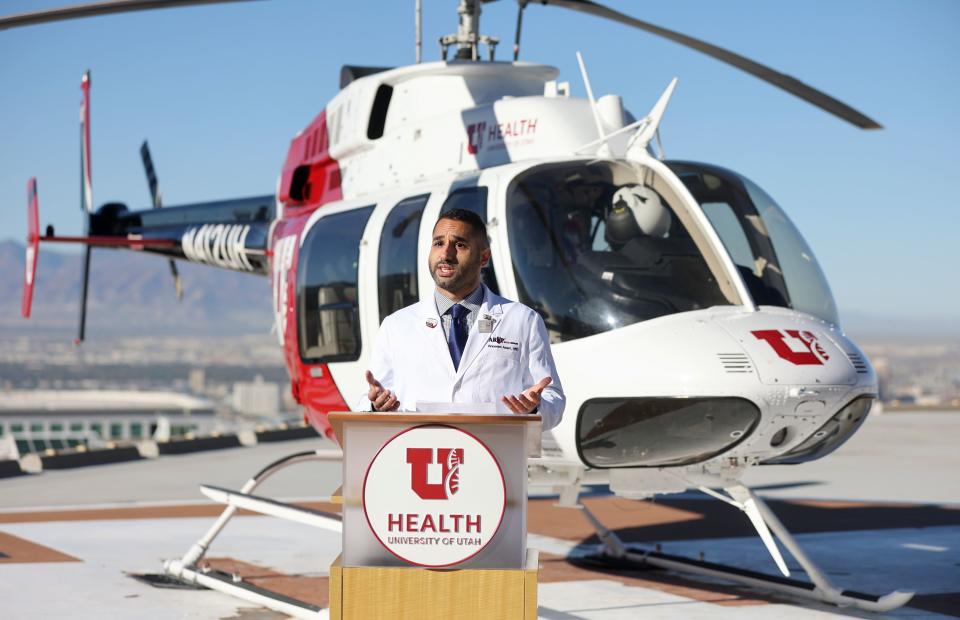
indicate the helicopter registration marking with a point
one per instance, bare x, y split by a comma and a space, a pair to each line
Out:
282, 263
223, 245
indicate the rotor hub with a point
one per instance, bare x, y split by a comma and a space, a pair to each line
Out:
468, 38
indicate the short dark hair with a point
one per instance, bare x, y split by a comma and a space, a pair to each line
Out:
468, 217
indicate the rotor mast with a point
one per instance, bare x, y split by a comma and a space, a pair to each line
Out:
468, 38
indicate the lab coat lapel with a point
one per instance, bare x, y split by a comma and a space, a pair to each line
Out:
477, 342
436, 341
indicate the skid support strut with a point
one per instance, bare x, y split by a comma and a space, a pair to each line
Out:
186, 569
765, 521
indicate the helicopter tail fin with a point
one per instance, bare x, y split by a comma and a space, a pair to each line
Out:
33, 247
86, 197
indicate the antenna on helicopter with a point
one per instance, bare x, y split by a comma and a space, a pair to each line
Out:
650, 125
468, 38
644, 129
521, 4
604, 150
418, 41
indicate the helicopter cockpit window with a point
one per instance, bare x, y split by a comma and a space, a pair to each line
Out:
595, 248
397, 264
473, 199
774, 261
327, 315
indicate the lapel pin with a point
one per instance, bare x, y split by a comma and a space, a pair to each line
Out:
431, 323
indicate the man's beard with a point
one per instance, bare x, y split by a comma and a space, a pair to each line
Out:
453, 283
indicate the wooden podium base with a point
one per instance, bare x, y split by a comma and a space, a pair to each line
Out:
422, 594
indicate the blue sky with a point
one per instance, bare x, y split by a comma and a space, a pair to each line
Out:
220, 90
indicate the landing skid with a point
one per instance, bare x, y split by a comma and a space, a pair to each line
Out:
189, 569
821, 589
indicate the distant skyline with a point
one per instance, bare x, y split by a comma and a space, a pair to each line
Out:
220, 90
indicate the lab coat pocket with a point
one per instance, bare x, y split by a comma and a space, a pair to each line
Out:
503, 353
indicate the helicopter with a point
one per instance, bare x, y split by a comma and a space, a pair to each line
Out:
720, 339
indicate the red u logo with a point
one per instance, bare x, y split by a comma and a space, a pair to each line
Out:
450, 460
805, 349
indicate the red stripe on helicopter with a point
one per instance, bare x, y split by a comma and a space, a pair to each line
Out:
310, 177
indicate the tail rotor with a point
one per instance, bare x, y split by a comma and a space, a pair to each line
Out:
86, 198
158, 203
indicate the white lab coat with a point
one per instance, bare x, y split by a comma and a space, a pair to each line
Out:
411, 358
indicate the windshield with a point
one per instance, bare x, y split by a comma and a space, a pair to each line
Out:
595, 247
775, 262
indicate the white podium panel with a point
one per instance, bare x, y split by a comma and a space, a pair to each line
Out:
435, 491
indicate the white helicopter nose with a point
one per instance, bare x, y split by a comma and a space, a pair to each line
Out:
693, 389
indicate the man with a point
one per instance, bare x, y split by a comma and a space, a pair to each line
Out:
464, 344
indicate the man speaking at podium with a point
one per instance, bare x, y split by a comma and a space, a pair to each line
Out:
464, 344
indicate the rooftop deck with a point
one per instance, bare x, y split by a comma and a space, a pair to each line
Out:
883, 513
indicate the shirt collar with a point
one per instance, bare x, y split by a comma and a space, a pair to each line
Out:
471, 302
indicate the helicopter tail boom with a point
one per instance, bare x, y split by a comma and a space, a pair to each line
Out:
232, 233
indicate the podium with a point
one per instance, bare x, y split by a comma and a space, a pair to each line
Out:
434, 516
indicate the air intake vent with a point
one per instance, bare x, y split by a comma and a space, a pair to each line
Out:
735, 363
858, 363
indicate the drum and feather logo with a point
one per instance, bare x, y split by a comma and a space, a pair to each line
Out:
434, 496
800, 348
421, 458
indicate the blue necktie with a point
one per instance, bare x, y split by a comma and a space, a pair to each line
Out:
457, 338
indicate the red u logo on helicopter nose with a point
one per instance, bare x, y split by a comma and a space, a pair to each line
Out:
797, 347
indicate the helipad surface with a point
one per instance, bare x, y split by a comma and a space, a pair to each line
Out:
883, 513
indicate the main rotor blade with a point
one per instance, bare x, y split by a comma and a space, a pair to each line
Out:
92, 9
151, 173
787, 83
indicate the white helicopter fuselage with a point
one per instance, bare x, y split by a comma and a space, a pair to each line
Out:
666, 390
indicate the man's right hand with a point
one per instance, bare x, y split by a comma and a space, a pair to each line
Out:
380, 398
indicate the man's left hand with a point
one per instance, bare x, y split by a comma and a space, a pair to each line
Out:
528, 400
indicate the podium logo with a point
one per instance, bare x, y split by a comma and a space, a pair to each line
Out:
420, 460
434, 496
800, 348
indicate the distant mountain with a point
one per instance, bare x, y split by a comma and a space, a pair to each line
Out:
131, 292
